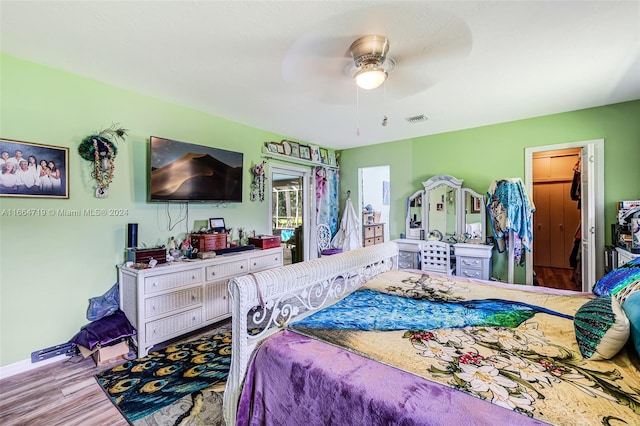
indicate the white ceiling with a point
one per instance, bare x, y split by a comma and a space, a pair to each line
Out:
282, 66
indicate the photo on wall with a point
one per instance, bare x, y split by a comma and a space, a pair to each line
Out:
33, 170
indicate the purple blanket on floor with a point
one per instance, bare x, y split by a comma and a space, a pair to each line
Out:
294, 379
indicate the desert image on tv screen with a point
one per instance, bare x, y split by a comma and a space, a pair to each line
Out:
183, 171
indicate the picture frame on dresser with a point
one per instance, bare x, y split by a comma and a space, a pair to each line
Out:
49, 180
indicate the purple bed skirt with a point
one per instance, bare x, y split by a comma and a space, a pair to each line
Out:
296, 380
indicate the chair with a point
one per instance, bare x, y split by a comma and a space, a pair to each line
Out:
324, 241
436, 257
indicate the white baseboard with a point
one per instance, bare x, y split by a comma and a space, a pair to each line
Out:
26, 365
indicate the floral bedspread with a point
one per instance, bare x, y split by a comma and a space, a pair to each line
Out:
503, 344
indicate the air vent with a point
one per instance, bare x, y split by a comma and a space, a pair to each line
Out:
417, 118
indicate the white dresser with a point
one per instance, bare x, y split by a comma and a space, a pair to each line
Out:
408, 253
625, 256
473, 260
171, 300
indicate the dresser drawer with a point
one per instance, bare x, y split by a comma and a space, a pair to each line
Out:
369, 232
406, 255
158, 283
378, 230
159, 305
407, 260
265, 262
469, 262
223, 270
162, 329
369, 242
471, 273
406, 265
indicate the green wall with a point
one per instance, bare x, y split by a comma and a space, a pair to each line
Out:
483, 154
51, 266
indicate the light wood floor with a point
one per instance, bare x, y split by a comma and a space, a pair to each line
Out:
63, 394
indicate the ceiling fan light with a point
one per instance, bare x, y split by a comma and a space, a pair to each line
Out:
370, 77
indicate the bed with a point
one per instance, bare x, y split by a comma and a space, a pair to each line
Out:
350, 339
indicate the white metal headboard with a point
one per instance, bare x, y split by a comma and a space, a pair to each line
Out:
264, 302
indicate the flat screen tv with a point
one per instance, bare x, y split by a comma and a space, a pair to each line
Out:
185, 172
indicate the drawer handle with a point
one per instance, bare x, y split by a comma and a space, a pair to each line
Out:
241, 266
193, 277
475, 274
470, 262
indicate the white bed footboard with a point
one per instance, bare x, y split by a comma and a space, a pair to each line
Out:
264, 302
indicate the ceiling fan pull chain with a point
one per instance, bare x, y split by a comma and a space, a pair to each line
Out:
357, 111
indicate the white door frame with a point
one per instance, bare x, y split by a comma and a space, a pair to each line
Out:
385, 210
307, 196
591, 229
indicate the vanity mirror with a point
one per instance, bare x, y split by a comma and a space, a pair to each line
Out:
445, 210
442, 215
415, 230
474, 217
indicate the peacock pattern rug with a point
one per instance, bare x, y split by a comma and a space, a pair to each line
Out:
182, 380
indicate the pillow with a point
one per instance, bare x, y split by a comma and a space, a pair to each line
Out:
601, 327
624, 293
618, 279
631, 308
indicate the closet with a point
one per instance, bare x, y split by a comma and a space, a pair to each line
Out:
556, 221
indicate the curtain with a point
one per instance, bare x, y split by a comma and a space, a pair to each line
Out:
326, 191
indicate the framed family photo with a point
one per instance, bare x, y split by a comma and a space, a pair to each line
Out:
33, 170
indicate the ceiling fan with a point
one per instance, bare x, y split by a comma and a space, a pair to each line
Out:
370, 58
428, 44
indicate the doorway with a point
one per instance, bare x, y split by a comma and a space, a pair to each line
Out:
590, 226
557, 221
289, 198
375, 192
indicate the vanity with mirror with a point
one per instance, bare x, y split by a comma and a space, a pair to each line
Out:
444, 210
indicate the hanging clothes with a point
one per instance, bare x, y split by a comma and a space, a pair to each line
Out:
510, 209
575, 183
348, 236
326, 190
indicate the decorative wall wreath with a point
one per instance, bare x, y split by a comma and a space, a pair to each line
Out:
258, 184
100, 149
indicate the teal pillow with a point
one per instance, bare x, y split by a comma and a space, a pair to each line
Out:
601, 328
631, 308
